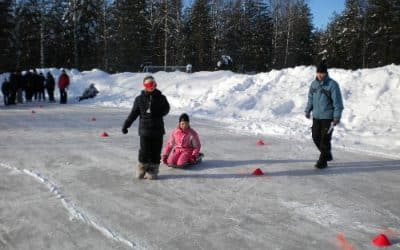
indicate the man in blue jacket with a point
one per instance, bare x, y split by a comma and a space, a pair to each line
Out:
325, 103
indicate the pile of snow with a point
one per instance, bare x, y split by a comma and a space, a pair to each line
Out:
267, 103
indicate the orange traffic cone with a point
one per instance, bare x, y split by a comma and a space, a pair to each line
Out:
260, 142
258, 172
104, 134
381, 241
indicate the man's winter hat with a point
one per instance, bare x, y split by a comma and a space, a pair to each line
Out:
184, 117
149, 82
322, 68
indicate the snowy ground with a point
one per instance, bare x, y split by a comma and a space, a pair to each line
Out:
63, 186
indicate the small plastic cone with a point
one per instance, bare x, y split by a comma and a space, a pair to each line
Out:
93, 119
258, 172
260, 142
381, 241
104, 134
33, 112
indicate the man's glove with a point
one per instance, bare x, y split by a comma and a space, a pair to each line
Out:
335, 122
164, 159
124, 130
307, 115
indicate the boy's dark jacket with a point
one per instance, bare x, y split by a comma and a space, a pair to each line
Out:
151, 107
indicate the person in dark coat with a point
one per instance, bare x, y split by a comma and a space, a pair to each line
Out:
41, 86
63, 83
13, 85
36, 85
151, 106
325, 103
29, 85
19, 85
5, 89
50, 86
89, 92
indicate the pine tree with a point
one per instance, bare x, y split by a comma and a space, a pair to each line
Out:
332, 45
257, 29
201, 36
130, 36
292, 33
84, 21
26, 34
301, 40
7, 62
352, 34
384, 32
232, 33
59, 40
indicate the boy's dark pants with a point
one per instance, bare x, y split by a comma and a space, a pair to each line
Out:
150, 149
321, 137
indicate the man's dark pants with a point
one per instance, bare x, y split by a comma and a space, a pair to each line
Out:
321, 137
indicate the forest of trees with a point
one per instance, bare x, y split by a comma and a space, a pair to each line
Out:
259, 35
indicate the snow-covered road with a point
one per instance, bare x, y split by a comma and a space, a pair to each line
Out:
63, 186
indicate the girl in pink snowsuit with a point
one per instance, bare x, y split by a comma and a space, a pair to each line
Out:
183, 145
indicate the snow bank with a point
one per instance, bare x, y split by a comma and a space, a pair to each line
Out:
268, 103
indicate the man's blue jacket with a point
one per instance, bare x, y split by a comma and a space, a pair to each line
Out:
325, 99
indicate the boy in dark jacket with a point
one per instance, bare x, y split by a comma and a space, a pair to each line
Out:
151, 106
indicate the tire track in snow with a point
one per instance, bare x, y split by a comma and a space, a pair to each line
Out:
73, 210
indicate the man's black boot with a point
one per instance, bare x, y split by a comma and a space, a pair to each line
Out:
321, 164
329, 157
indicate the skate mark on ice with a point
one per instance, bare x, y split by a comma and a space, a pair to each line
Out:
73, 210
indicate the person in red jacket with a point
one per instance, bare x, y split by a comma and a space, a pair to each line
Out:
183, 146
63, 83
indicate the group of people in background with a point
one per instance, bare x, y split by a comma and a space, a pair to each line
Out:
32, 86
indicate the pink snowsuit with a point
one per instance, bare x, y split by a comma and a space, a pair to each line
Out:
184, 145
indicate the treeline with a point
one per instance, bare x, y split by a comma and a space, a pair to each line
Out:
259, 35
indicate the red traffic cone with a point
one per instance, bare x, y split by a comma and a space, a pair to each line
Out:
260, 142
93, 119
381, 241
104, 134
33, 112
258, 172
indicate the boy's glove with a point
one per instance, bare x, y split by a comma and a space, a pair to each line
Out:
124, 130
164, 159
307, 115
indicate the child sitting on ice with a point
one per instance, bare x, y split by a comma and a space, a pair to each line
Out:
183, 145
